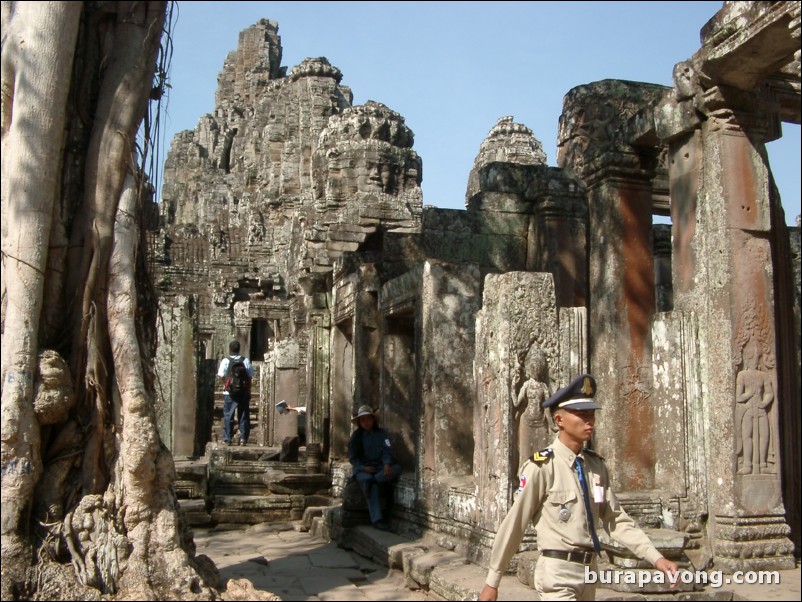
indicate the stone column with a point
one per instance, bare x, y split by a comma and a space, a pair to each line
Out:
680, 435
367, 339
573, 345
618, 178
267, 401
517, 323
748, 515
400, 306
317, 402
341, 391
721, 194
623, 302
451, 297
176, 366
242, 327
664, 295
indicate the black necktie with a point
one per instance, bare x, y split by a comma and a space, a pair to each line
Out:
581, 472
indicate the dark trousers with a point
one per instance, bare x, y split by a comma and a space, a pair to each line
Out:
241, 406
371, 484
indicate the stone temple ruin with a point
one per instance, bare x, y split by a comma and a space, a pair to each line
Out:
294, 222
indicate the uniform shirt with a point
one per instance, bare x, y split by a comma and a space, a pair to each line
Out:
547, 487
222, 370
369, 448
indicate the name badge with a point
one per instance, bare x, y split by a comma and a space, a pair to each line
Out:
598, 490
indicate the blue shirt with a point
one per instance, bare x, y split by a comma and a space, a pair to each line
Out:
369, 448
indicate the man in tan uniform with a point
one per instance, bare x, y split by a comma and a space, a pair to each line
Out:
560, 487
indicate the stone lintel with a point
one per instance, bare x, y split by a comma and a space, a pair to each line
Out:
335, 248
344, 303
640, 129
561, 208
746, 42
612, 166
783, 91
399, 295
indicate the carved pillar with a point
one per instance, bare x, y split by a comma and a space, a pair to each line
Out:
267, 401
664, 295
680, 437
179, 414
749, 516
622, 290
618, 178
242, 326
283, 382
516, 354
400, 302
317, 403
367, 339
573, 345
721, 204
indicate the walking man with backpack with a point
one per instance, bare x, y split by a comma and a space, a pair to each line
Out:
236, 372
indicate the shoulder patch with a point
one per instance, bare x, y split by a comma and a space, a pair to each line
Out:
543, 455
587, 450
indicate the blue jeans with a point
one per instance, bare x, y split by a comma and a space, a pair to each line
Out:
243, 412
371, 484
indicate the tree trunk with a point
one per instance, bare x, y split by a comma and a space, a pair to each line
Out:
35, 84
88, 503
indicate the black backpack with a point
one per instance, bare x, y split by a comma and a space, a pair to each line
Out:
239, 383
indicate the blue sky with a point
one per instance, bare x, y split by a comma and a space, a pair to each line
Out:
452, 69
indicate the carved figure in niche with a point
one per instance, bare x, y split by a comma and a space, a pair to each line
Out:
754, 394
256, 228
528, 411
219, 242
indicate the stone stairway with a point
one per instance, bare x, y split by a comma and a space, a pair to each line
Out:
249, 485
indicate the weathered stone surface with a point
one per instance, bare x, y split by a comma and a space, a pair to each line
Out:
669, 542
373, 544
422, 566
518, 318
507, 142
591, 134
526, 568
744, 43
196, 511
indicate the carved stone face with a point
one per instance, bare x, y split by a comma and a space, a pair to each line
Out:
366, 149
377, 173
367, 168
751, 355
535, 365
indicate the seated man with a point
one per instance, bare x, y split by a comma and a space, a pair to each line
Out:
371, 456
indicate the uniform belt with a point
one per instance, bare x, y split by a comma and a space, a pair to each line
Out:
579, 556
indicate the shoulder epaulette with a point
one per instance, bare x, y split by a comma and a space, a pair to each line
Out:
587, 450
543, 455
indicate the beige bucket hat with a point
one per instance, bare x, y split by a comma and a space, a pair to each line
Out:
364, 410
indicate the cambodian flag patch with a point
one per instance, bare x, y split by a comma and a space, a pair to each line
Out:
522, 483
